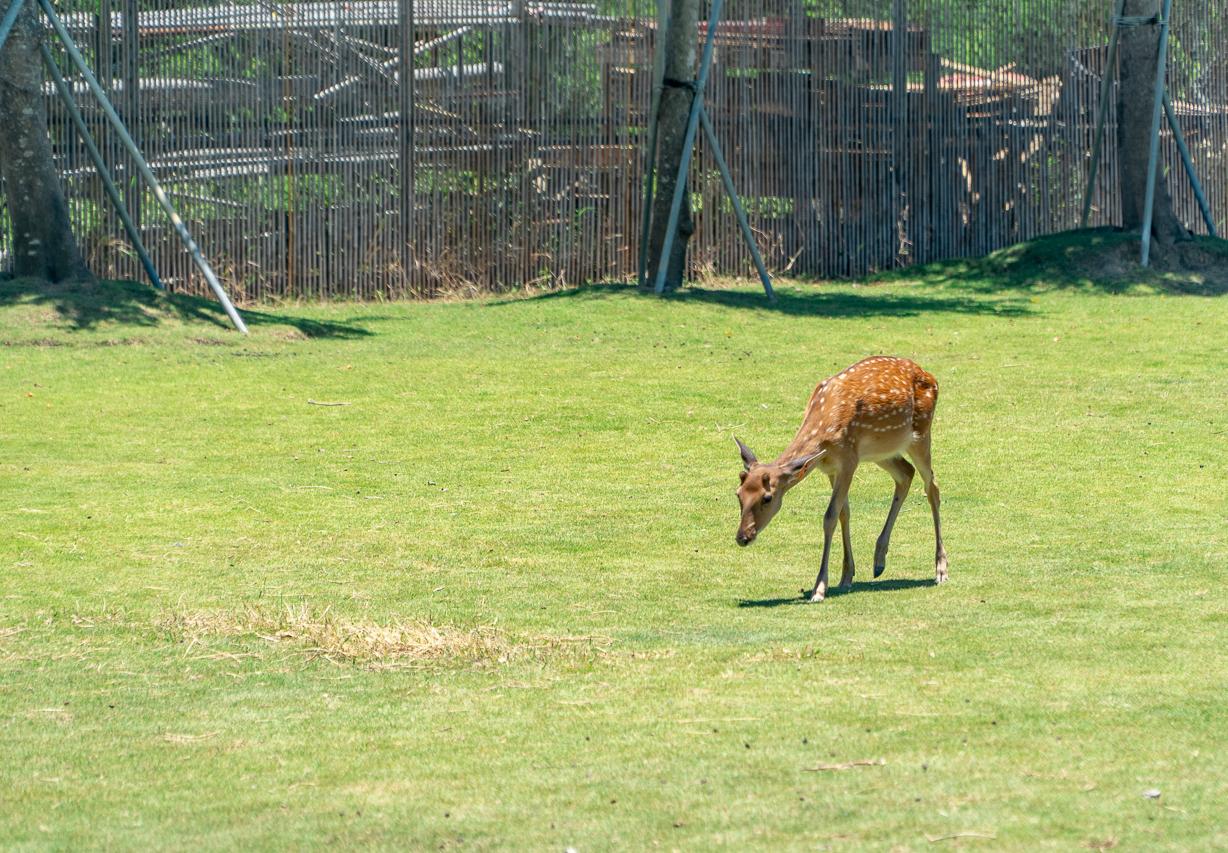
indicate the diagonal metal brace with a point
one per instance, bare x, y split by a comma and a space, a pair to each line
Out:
146, 172
10, 18
680, 188
104, 174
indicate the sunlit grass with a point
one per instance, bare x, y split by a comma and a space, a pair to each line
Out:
216, 592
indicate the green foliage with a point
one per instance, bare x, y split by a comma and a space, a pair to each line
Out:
1034, 36
212, 588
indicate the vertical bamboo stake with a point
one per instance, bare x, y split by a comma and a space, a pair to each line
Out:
899, 125
1102, 113
650, 158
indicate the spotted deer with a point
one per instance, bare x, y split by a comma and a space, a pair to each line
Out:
877, 410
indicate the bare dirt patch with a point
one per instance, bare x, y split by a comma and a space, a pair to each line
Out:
1198, 266
394, 645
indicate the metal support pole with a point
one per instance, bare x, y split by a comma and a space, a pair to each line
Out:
688, 144
1106, 84
10, 18
1188, 162
650, 165
1154, 156
117, 200
146, 172
737, 203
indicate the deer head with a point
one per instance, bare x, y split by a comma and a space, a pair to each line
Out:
763, 489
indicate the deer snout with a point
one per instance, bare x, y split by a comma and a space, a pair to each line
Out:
744, 539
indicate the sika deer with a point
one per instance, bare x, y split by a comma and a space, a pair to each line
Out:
875, 411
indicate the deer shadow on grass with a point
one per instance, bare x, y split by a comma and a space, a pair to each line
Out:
83, 305
805, 300
834, 592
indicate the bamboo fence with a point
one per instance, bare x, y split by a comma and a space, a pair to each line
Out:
390, 148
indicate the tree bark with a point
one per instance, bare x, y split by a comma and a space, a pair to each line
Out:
1138, 47
43, 242
672, 115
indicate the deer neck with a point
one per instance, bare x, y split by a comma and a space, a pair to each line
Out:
812, 437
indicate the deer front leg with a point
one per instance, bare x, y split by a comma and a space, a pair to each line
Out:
846, 575
839, 497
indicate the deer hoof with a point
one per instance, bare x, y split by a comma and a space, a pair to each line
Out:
812, 595
879, 569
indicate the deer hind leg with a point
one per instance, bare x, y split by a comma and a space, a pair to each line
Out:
839, 497
902, 473
920, 453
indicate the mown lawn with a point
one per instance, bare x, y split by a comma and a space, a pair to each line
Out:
215, 594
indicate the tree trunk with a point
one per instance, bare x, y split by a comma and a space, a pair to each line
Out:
43, 243
672, 116
1138, 48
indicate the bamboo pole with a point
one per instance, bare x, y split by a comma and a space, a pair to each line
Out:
1101, 115
650, 164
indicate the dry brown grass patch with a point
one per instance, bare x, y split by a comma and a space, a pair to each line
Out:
411, 644
8, 633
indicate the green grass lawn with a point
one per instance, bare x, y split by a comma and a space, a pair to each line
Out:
494, 601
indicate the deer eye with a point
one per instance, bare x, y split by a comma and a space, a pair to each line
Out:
767, 499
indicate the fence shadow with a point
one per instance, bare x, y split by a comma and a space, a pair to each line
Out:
833, 592
813, 301
86, 305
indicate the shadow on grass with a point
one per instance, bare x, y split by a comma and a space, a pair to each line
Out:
834, 592
86, 305
804, 301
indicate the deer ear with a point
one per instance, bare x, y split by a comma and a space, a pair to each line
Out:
748, 455
795, 468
